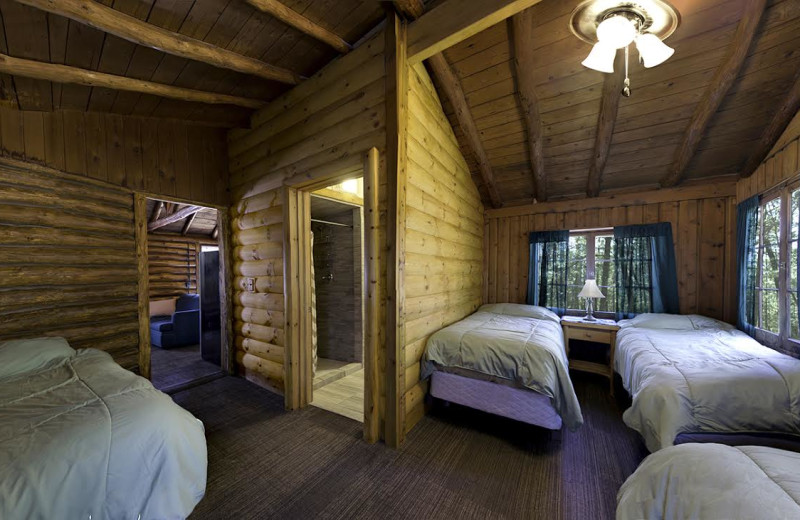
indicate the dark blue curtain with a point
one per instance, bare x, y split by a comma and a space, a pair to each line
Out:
646, 276
547, 276
747, 263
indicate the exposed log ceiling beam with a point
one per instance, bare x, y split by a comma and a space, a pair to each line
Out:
157, 209
66, 74
301, 23
455, 93
606, 119
411, 9
779, 122
723, 79
106, 19
454, 21
188, 225
175, 217
522, 29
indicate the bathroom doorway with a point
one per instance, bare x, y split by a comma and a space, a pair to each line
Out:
337, 298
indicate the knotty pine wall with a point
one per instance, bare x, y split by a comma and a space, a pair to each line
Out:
322, 127
781, 164
156, 156
67, 249
703, 222
444, 234
259, 321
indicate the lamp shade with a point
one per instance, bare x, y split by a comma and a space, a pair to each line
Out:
616, 32
601, 58
652, 50
590, 290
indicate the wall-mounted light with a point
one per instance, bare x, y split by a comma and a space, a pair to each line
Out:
611, 25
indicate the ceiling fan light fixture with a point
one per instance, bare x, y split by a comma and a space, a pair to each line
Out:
652, 50
601, 58
616, 31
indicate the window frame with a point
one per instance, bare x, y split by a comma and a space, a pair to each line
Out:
591, 266
782, 338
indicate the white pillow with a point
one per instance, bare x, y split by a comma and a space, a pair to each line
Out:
518, 309
661, 321
25, 355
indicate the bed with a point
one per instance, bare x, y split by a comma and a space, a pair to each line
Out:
505, 359
80, 437
713, 481
692, 378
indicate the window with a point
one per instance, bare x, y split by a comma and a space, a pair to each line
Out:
591, 255
776, 281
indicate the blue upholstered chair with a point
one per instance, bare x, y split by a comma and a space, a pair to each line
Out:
180, 329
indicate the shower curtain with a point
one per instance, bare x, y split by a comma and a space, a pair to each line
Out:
313, 313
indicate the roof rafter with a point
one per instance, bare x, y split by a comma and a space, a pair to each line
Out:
453, 21
783, 116
606, 120
66, 74
522, 41
455, 93
109, 20
301, 23
188, 225
175, 217
723, 80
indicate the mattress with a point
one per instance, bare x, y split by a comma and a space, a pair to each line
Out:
80, 437
713, 481
499, 399
517, 346
691, 374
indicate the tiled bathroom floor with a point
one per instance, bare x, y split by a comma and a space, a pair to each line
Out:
344, 396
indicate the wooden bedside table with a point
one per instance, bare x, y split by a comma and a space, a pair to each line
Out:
599, 331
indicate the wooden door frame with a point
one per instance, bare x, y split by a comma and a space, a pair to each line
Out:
298, 379
143, 280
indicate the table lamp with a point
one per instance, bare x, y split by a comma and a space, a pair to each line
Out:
590, 291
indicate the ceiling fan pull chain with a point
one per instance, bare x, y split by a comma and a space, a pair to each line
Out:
626, 90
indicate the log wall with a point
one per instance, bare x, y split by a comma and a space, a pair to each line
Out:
157, 156
703, 222
444, 234
322, 128
67, 261
259, 314
173, 264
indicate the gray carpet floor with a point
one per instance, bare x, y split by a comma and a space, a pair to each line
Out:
175, 367
457, 463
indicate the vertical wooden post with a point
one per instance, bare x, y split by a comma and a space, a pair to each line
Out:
143, 283
396, 105
291, 291
306, 382
228, 354
372, 272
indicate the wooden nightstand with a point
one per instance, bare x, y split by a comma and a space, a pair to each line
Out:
600, 331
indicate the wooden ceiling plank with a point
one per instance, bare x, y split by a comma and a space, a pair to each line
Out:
783, 116
452, 89
522, 38
301, 23
723, 80
454, 21
132, 29
175, 217
609, 104
74, 75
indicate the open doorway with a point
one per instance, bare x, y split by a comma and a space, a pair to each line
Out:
183, 267
337, 296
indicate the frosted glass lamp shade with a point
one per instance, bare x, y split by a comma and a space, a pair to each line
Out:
652, 50
590, 290
616, 32
601, 58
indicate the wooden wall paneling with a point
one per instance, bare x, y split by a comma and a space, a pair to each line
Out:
134, 165
54, 140
75, 142
11, 133
373, 297
115, 151
729, 275
96, 163
33, 125
711, 269
687, 263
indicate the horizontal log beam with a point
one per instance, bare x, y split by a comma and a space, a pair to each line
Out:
106, 19
175, 217
301, 23
453, 21
66, 74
